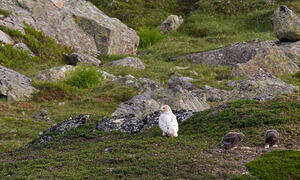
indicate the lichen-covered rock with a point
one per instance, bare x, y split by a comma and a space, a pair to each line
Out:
171, 23
141, 84
75, 23
268, 57
24, 47
176, 98
131, 124
229, 55
62, 128
215, 95
260, 86
14, 86
128, 62
75, 58
292, 50
286, 24
55, 74
4, 38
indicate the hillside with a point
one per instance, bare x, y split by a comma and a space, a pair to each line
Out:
74, 106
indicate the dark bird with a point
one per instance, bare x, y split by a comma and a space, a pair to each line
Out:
231, 139
271, 138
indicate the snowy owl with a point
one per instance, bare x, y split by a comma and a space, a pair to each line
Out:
231, 139
271, 138
168, 122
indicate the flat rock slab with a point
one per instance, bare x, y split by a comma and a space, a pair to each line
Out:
14, 85
75, 23
128, 62
6, 39
55, 74
75, 58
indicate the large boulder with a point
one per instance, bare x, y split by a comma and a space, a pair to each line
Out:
128, 62
247, 58
14, 86
260, 86
292, 50
5, 39
76, 23
270, 58
171, 23
75, 58
286, 24
55, 74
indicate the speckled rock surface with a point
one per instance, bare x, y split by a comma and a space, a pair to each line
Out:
6, 39
128, 62
75, 58
24, 47
286, 24
55, 74
268, 57
76, 23
292, 50
14, 86
171, 23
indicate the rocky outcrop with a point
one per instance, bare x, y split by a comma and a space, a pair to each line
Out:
14, 86
128, 62
24, 47
4, 38
75, 58
55, 74
260, 86
131, 124
247, 58
171, 23
75, 23
62, 128
268, 57
292, 50
286, 24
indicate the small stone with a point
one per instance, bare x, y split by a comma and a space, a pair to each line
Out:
128, 62
171, 23
6, 39
61, 103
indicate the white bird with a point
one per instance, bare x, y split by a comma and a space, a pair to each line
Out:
168, 122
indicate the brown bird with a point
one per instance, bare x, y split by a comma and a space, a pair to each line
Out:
271, 138
231, 139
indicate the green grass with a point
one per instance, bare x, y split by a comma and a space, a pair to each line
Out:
84, 77
276, 165
4, 12
148, 37
48, 52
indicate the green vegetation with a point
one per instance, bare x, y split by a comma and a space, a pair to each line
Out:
88, 153
276, 165
48, 52
148, 36
84, 77
4, 12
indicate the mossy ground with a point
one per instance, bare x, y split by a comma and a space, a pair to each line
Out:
194, 154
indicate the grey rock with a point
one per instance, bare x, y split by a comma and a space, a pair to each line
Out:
142, 84
292, 50
61, 128
268, 57
128, 62
247, 58
171, 23
75, 58
215, 95
181, 83
22, 46
41, 116
260, 86
6, 39
75, 23
55, 74
14, 86
286, 24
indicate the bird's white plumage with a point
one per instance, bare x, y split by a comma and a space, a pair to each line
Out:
168, 122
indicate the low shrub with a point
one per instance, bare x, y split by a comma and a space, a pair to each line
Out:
84, 77
148, 36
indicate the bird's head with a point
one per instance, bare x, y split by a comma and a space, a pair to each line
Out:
165, 109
